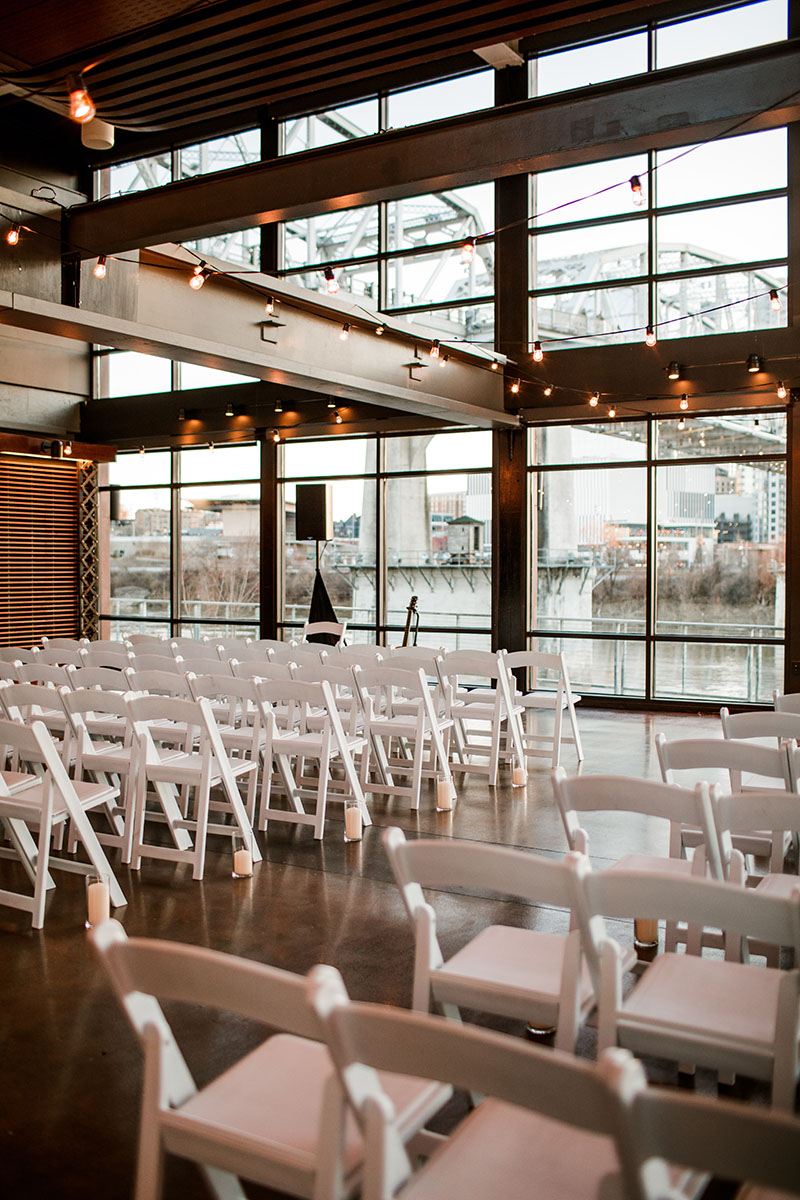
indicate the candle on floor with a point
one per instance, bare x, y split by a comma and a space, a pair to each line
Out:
519, 777
352, 823
98, 900
645, 931
444, 795
242, 858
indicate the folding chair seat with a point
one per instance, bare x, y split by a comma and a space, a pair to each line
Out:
525, 974
727, 1015
408, 730
277, 1116
486, 718
194, 771
314, 630
676, 807
558, 701
306, 737
45, 804
547, 1123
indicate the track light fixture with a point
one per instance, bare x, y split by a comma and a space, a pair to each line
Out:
181, 414
637, 194
775, 300
331, 282
538, 352
100, 268
12, 237
278, 408
674, 370
594, 399
650, 336
81, 105
754, 363
331, 402
781, 390
468, 250
199, 275
229, 412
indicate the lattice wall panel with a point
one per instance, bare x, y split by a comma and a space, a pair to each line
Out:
38, 549
89, 576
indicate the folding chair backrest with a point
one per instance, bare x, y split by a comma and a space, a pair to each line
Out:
336, 629
774, 812
261, 645
760, 724
534, 661
307, 656
149, 640
359, 653
259, 668
157, 662
733, 756
65, 643
301, 698
158, 683
117, 659
27, 702
192, 644
786, 704
230, 647
204, 664
62, 656
282, 652
94, 700
106, 678
44, 673
29, 742
240, 696
17, 654
9, 672
477, 664
108, 644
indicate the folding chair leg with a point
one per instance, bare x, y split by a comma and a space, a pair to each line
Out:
221, 1184
576, 735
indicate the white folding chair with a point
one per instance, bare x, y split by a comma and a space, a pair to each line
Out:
674, 806
526, 974
28, 702
486, 718
237, 711
775, 726
46, 803
277, 1116
786, 703
408, 730
195, 771
546, 1125
328, 629
727, 1015
561, 699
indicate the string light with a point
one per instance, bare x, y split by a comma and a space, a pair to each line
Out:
684, 401
68, 449
495, 366
331, 282
141, 449
100, 268
612, 412
753, 364
650, 336
775, 300
674, 370
276, 437
682, 424
594, 399
468, 250
548, 391
380, 330
12, 237
637, 194
538, 352
81, 105
434, 351
337, 416
444, 360
781, 390
515, 386
344, 333
199, 276
269, 306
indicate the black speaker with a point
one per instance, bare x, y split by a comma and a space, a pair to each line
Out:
313, 513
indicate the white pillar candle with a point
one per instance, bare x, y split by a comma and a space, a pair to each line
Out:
242, 863
98, 902
519, 777
352, 823
444, 795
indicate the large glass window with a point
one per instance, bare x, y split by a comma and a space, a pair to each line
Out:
658, 554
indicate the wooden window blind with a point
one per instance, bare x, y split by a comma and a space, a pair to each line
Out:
39, 506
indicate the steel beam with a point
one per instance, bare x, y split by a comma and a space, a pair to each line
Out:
663, 109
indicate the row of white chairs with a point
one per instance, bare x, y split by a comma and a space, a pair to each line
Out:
279, 1115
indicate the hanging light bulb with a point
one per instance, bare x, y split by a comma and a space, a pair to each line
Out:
781, 390
68, 449
775, 300
594, 399
612, 412
141, 449
81, 105
684, 402
12, 237
753, 363
468, 250
538, 352
330, 281
515, 386
682, 424
650, 336
276, 437
637, 194
548, 391
337, 416
434, 351
269, 306
495, 366
199, 276
210, 447
380, 330
674, 370
344, 333
444, 360
100, 268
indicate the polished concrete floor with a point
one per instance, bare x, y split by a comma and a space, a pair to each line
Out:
71, 1066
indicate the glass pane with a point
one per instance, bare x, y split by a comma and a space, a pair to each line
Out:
418, 221
218, 629
720, 549
729, 167
351, 233
585, 65
327, 128
692, 306
471, 323
431, 278
219, 578
437, 100
721, 33
148, 469
448, 639
589, 550
712, 237
600, 252
439, 451
720, 672
221, 154
606, 316
139, 567
135, 176
599, 667
125, 373
305, 460
438, 546
122, 627
348, 561
606, 441
223, 462
192, 376
242, 248
567, 194
730, 434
